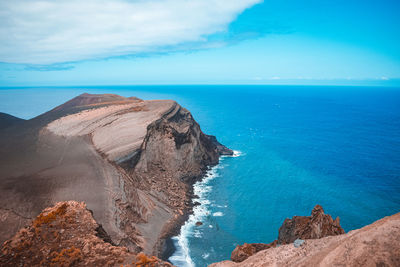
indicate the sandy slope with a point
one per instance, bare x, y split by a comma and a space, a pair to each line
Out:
116, 130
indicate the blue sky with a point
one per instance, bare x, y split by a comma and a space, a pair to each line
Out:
124, 42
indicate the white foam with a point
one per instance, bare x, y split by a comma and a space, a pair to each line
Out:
219, 206
181, 256
237, 153
205, 255
218, 214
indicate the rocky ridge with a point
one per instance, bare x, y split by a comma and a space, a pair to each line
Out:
376, 244
316, 226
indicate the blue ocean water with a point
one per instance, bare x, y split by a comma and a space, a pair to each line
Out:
297, 146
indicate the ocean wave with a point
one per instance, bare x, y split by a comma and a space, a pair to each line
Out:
218, 214
237, 153
181, 256
205, 255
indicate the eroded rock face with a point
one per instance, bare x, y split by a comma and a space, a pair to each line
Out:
376, 244
133, 162
316, 226
67, 235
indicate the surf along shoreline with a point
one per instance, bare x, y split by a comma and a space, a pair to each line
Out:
196, 213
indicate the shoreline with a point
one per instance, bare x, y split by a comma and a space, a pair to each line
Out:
166, 247
198, 199
169, 245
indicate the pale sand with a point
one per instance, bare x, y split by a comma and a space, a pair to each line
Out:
116, 130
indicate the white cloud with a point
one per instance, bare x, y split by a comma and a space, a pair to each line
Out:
55, 31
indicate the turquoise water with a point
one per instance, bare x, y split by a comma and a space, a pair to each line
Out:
296, 146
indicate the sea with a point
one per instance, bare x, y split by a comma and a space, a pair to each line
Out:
295, 147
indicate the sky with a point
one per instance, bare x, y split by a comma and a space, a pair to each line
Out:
136, 42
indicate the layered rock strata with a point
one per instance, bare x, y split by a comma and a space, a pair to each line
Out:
133, 162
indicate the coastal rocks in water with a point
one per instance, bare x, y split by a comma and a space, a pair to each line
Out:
67, 235
376, 244
223, 150
315, 226
242, 252
199, 223
132, 161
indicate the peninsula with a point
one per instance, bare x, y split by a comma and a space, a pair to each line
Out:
133, 162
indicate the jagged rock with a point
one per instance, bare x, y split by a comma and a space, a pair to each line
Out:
67, 235
315, 226
199, 223
376, 244
242, 252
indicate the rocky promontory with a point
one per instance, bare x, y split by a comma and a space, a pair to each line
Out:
318, 240
132, 161
316, 226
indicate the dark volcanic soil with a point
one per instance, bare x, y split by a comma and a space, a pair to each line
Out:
133, 162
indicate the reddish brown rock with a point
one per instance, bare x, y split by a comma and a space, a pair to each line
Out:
67, 235
376, 244
316, 226
240, 253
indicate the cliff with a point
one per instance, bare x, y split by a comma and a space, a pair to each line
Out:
373, 245
133, 162
67, 235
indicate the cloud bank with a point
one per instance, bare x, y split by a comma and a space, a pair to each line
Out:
57, 31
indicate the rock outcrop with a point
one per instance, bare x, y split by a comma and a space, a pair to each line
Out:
242, 252
133, 162
316, 226
373, 245
67, 235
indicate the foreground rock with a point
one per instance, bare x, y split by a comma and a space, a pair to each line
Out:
242, 252
373, 245
133, 163
67, 235
316, 226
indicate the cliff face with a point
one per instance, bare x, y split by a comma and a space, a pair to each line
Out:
132, 161
373, 245
67, 235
